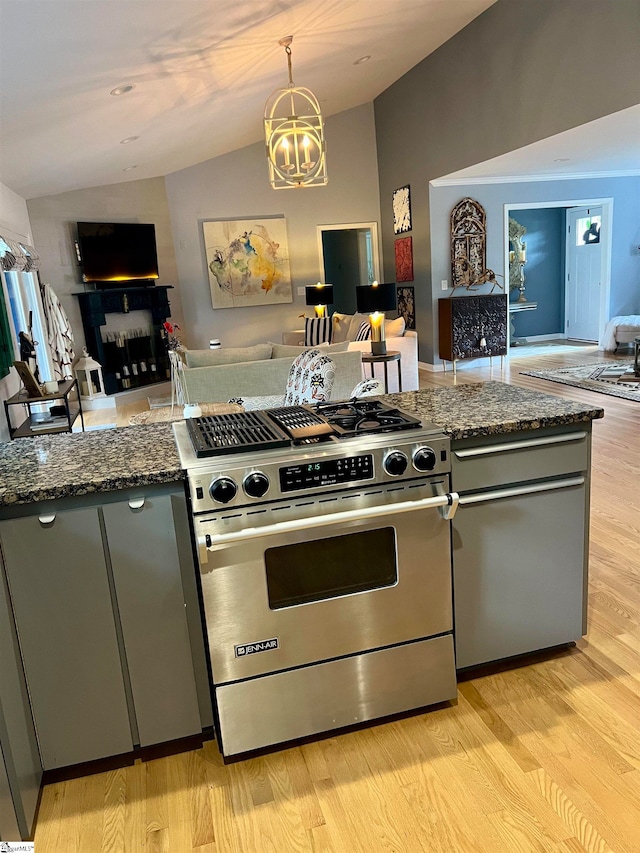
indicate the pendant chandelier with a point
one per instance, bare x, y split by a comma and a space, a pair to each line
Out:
295, 135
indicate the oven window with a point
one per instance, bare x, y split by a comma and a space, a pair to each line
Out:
328, 568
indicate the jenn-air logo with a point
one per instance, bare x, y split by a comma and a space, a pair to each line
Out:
253, 648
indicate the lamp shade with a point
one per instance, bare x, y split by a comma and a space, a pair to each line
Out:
319, 294
376, 297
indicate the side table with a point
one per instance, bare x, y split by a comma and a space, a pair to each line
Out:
392, 355
52, 423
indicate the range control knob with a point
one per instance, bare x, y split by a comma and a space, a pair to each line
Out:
424, 459
256, 484
223, 490
395, 463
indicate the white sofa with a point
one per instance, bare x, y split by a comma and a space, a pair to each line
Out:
406, 344
216, 376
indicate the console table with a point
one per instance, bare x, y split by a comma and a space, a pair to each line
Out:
515, 308
472, 327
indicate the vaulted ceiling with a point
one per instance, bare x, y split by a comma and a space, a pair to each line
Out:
201, 71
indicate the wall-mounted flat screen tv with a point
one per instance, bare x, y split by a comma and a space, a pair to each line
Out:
118, 254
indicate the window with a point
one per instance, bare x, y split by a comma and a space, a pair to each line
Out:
21, 307
588, 230
28, 316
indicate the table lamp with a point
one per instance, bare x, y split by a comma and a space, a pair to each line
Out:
374, 299
319, 295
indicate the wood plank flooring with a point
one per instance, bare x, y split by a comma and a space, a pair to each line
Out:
545, 757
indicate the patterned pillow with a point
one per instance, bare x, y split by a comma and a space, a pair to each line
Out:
250, 404
364, 332
317, 330
310, 379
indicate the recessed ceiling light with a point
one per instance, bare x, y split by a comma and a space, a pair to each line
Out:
129, 168
561, 160
362, 59
122, 90
128, 140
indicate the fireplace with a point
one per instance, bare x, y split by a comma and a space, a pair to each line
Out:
129, 359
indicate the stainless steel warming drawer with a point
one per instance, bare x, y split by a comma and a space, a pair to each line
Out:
499, 460
332, 695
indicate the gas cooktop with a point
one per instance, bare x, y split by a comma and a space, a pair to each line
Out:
294, 425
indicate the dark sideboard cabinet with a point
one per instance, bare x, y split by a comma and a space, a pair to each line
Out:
472, 327
128, 360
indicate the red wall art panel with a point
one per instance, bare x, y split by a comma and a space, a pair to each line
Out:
404, 259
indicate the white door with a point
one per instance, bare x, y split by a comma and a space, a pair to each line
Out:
584, 269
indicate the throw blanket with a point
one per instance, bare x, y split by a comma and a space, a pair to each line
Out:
59, 334
609, 342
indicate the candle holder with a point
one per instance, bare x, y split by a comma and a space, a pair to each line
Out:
521, 263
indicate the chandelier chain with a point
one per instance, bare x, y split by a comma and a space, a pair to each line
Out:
287, 50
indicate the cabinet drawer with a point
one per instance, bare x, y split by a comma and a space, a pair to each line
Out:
526, 456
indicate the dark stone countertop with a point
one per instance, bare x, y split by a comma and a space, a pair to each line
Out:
66, 465
491, 408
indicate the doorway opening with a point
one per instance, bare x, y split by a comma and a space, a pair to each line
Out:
576, 304
349, 256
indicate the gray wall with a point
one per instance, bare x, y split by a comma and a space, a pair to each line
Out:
514, 75
625, 254
236, 186
54, 218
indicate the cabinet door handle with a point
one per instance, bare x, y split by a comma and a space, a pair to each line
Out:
518, 491
136, 503
520, 445
49, 518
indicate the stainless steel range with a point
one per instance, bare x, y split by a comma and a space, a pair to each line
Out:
325, 566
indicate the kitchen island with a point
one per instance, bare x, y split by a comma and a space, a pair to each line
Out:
100, 566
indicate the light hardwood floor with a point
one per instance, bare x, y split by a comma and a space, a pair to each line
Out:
545, 757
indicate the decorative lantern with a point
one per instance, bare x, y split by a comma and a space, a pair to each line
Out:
89, 375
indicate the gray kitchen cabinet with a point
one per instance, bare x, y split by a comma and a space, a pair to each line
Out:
9, 830
520, 542
59, 587
152, 606
22, 767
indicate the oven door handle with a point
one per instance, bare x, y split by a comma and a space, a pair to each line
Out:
447, 504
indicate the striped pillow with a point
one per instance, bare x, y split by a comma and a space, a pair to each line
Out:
317, 330
364, 332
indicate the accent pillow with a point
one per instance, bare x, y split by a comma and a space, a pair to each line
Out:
317, 330
364, 332
394, 328
227, 355
291, 351
341, 323
354, 326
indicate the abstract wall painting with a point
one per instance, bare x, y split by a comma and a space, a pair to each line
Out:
404, 259
406, 306
402, 209
248, 262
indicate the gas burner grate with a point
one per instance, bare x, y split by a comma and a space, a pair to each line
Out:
359, 417
216, 435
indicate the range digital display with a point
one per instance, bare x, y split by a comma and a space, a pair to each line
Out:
326, 472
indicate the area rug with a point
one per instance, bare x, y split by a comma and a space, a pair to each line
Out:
601, 377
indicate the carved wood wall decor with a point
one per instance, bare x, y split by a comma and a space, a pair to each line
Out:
468, 243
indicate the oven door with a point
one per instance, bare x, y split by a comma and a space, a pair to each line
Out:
325, 579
